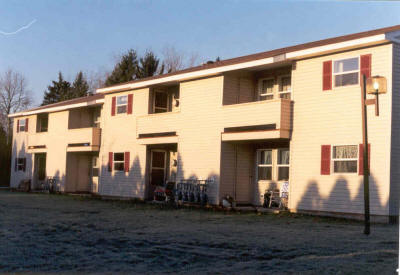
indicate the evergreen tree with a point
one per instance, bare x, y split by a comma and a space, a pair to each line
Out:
148, 65
60, 91
125, 70
80, 87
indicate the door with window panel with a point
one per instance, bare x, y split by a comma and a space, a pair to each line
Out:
160, 102
158, 165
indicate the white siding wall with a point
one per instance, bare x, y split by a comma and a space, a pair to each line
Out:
19, 150
334, 117
119, 135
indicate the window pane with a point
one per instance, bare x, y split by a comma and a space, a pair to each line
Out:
158, 159
346, 65
122, 100
285, 96
119, 166
285, 83
121, 109
345, 151
346, 79
266, 97
267, 86
264, 173
346, 166
118, 156
283, 173
283, 156
161, 100
22, 122
159, 110
43, 124
265, 157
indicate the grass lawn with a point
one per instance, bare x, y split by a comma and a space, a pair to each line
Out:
57, 233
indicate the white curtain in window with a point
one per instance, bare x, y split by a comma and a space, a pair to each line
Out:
284, 156
343, 152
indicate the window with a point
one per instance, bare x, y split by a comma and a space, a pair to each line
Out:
42, 123
122, 103
265, 165
119, 161
22, 125
345, 72
283, 164
285, 87
266, 89
160, 102
345, 158
20, 164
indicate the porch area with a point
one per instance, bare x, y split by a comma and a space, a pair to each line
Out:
161, 169
255, 173
82, 172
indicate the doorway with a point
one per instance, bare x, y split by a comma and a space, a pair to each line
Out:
157, 169
39, 170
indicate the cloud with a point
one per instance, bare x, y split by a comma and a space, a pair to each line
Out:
20, 29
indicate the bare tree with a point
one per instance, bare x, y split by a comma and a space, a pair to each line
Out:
174, 60
96, 79
14, 97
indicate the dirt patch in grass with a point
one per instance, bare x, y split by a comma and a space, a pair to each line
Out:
57, 233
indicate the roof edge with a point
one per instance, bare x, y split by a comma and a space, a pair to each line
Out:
249, 58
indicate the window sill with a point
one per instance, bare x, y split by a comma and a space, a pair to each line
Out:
164, 113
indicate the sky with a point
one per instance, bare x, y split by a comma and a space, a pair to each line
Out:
70, 36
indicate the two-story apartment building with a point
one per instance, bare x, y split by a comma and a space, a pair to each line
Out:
246, 124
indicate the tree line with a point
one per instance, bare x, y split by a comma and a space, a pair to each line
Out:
130, 66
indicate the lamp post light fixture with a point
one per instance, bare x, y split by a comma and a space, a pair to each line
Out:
373, 85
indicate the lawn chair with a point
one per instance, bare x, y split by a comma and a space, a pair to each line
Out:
279, 196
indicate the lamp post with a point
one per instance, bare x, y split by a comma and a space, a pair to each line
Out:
374, 85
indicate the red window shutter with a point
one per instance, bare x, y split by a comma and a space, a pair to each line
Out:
26, 124
127, 162
110, 161
16, 165
130, 101
365, 66
325, 159
327, 76
17, 125
113, 105
361, 158
24, 167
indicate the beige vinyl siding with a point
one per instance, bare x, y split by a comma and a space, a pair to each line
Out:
56, 147
199, 147
19, 150
334, 117
395, 140
119, 135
